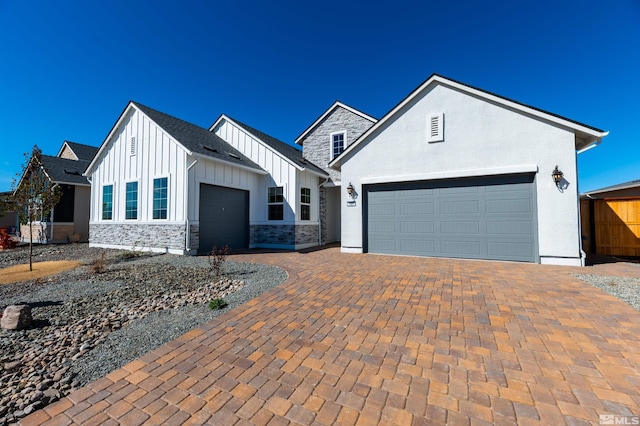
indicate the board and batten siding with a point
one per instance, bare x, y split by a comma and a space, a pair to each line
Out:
281, 172
157, 155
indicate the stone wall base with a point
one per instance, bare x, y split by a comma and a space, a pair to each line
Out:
168, 238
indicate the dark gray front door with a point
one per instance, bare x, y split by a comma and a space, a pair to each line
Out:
224, 218
479, 218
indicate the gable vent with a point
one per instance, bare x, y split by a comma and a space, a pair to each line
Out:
132, 147
435, 123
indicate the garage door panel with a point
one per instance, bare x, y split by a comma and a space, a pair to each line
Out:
224, 217
460, 227
459, 207
510, 206
484, 218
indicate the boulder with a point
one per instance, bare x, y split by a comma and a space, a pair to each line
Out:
16, 317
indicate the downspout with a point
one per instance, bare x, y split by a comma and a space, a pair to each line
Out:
319, 218
187, 236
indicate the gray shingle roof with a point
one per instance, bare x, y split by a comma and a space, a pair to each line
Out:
65, 170
83, 152
291, 152
197, 139
626, 185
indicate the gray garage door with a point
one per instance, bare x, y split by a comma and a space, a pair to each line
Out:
224, 218
480, 218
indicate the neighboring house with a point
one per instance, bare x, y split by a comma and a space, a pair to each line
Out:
611, 220
162, 184
455, 171
8, 219
325, 139
69, 220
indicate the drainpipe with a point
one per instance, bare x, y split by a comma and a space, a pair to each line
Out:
319, 218
187, 236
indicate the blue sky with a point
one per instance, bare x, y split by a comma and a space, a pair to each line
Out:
68, 68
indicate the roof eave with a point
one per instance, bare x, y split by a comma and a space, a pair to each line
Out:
230, 163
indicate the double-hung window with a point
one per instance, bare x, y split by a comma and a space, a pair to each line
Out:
305, 203
107, 202
160, 198
337, 143
275, 201
131, 205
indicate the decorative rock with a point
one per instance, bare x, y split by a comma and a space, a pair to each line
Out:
11, 365
16, 317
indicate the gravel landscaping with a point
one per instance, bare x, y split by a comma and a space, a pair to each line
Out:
87, 324
624, 288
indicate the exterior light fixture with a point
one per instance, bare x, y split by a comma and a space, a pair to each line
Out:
557, 176
350, 189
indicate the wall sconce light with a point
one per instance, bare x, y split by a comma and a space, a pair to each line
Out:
350, 189
557, 176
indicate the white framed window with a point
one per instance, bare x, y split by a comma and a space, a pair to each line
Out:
435, 127
275, 201
131, 202
338, 143
107, 202
305, 203
160, 197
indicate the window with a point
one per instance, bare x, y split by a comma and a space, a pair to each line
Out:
305, 203
131, 206
435, 128
276, 203
107, 202
160, 198
337, 143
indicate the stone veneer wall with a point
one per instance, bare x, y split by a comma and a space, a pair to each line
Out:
137, 235
323, 214
316, 147
194, 236
290, 235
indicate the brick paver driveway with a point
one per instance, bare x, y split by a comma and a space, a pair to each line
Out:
372, 339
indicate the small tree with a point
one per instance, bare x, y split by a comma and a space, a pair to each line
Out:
34, 195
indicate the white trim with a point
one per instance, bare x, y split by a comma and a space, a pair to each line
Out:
356, 250
229, 163
524, 168
335, 105
435, 121
144, 249
436, 79
65, 143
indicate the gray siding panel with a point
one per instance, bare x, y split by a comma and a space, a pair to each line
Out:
480, 218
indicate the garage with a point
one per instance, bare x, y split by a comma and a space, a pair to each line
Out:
474, 218
224, 218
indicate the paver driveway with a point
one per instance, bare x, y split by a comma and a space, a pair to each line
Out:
396, 340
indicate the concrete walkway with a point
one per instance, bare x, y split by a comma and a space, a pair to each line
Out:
366, 339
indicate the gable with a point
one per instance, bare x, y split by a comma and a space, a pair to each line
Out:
583, 135
67, 152
329, 112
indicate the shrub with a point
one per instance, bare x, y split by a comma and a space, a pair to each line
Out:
7, 242
217, 304
217, 257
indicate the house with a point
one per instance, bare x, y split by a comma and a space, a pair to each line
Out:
456, 171
162, 184
330, 134
611, 220
8, 217
69, 220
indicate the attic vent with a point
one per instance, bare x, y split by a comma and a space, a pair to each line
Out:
208, 148
233, 156
302, 160
72, 172
435, 123
132, 148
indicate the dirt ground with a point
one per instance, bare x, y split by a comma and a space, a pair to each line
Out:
18, 273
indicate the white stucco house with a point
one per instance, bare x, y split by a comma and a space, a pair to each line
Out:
162, 184
455, 171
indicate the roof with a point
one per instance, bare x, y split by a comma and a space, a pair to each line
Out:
83, 152
627, 185
336, 105
64, 170
292, 153
585, 135
195, 139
